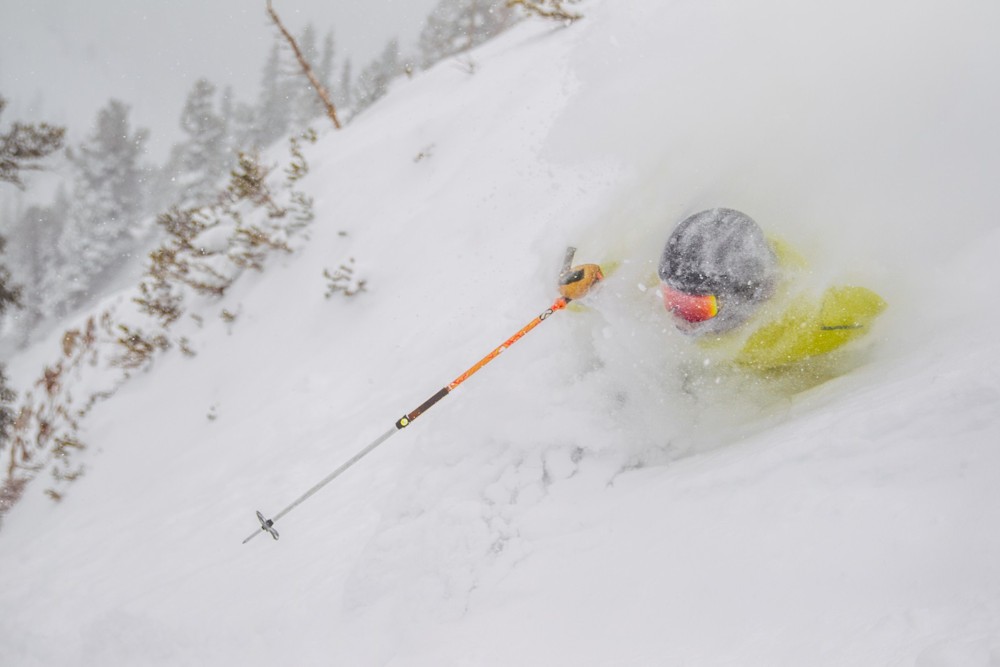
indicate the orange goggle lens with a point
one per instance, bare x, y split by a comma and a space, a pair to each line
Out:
690, 307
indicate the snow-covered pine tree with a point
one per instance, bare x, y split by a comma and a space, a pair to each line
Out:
9, 298
202, 158
20, 149
108, 191
38, 267
305, 65
274, 106
343, 95
241, 122
7, 398
303, 93
324, 71
23, 145
10, 294
374, 80
454, 26
307, 103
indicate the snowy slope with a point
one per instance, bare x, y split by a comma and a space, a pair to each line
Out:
575, 503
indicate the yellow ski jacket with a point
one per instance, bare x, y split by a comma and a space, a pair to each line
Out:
793, 328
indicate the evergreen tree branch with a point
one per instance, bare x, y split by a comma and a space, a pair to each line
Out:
24, 143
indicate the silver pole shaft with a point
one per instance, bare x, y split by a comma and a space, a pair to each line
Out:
329, 478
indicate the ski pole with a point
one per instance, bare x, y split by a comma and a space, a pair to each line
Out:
573, 284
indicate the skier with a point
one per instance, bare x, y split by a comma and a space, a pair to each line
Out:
733, 290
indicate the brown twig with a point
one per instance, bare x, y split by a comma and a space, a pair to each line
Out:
324, 96
556, 11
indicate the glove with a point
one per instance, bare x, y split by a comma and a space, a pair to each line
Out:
577, 282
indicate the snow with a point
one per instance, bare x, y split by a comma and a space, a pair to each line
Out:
576, 502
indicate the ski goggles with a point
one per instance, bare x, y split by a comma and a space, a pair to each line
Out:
689, 307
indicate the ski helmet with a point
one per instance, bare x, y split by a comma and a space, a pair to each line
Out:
716, 268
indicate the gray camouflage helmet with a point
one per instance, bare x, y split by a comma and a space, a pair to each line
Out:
724, 253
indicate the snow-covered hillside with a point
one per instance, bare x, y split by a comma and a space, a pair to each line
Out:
577, 502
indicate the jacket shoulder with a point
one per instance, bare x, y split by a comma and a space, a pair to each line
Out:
810, 327
849, 307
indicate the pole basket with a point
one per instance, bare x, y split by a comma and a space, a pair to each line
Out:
267, 525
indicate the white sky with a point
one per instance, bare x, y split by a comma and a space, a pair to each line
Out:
61, 60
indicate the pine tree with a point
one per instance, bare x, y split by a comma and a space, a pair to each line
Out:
306, 103
455, 26
7, 398
38, 267
305, 66
202, 157
273, 106
23, 145
324, 71
227, 111
10, 297
108, 193
243, 128
239, 120
374, 80
10, 294
20, 149
343, 95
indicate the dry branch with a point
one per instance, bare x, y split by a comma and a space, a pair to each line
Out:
324, 96
550, 9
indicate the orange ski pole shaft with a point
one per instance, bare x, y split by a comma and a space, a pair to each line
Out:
407, 419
